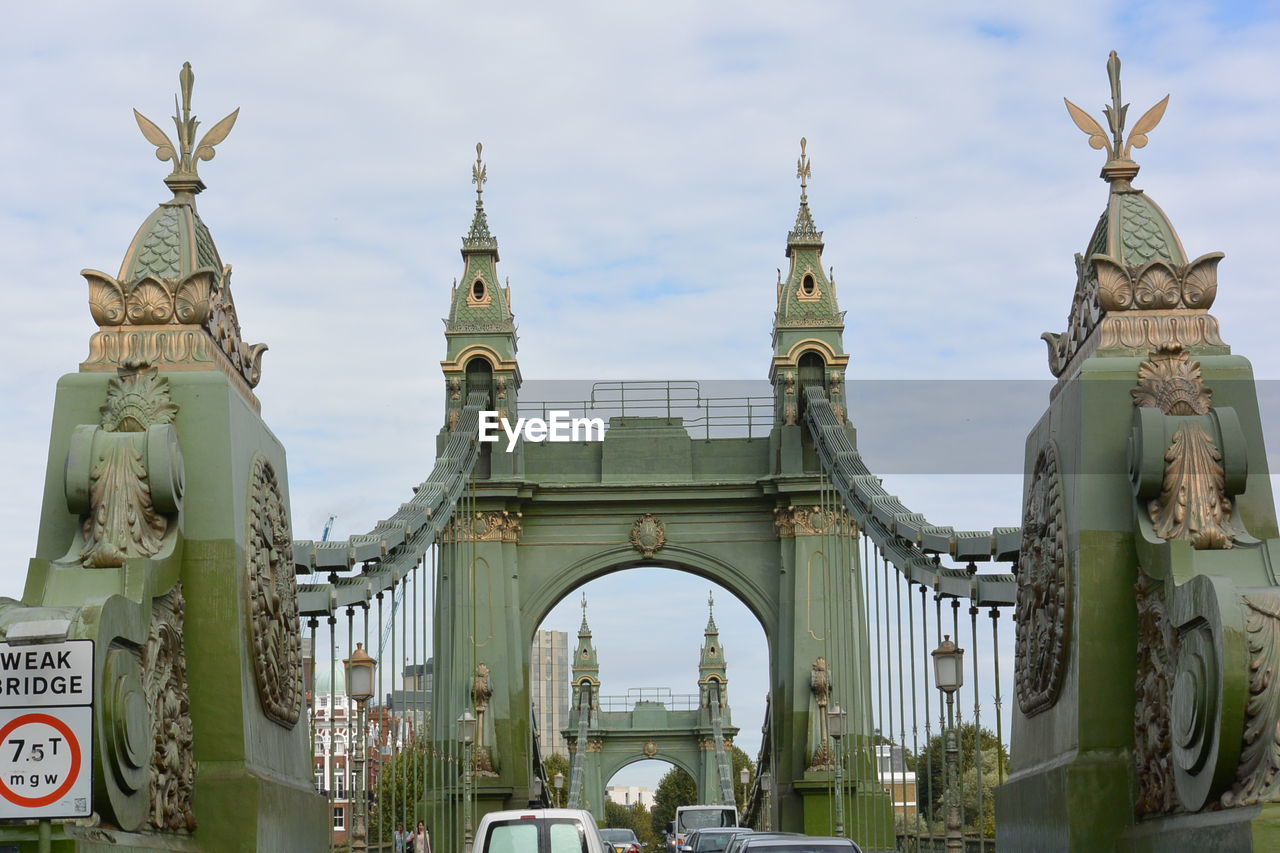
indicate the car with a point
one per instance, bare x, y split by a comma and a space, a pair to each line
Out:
622, 840
713, 839
539, 831
736, 841
764, 843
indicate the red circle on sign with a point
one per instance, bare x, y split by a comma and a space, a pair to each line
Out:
72, 774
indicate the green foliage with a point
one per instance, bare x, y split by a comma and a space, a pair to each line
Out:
676, 789
740, 791
930, 766
400, 790
553, 764
636, 818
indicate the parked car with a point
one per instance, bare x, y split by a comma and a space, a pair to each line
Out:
539, 831
622, 840
714, 839
763, 843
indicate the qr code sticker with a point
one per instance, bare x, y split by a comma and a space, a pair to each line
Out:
82, 805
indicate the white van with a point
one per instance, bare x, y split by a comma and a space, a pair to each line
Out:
539, 831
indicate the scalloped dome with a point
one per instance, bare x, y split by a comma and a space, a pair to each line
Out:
172, 243
1133, 230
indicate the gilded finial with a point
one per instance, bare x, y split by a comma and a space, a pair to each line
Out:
478, 172
711, 604
187, 154
804, 171
1120, 165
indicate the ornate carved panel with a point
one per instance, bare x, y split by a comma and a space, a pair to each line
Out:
1258, 773
172, 769
275, 638
484, 527
1044, 590
1152, 744
795, 521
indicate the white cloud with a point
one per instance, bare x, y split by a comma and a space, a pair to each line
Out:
629, 146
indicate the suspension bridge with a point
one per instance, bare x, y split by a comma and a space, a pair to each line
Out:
1140, 711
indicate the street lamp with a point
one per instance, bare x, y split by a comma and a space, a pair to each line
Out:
359, 671
467, 736
766, 786
558, 781
836, 719
948, 674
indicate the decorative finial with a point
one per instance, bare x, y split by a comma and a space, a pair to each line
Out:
185, 157
1120, 167
804, 171
478, 172
711, 603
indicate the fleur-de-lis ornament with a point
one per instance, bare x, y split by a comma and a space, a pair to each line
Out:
1117, 147
479, 174
187, 153
804, 170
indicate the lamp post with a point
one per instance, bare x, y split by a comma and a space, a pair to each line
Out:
836, 719
766, 787
948, 674
558, 781
744, 776
359, 671
467, 735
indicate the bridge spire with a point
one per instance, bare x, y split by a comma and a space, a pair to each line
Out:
808, 323
480, 329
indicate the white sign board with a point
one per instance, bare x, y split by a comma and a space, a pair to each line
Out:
46, 730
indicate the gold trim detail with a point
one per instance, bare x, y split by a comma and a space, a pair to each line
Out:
493, 526
795, 521
1171, 382
648, 534
1193, 502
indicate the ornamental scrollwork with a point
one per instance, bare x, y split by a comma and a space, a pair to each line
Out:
276, 640
1152, 740
1193, 502
491, 526
1044, 591
1257, 777
815, 520
169, 700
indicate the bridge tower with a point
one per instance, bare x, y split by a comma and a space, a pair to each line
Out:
1148, 614
165, 539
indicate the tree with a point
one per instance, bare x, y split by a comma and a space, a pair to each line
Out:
553, 764
676, 789
636, 818
400, 789
930, 769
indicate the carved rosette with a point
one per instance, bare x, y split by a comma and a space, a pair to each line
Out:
1152, 741
484, 527
172, 768
1044, 591
275, 637
1257, 777
795, 521
648, 534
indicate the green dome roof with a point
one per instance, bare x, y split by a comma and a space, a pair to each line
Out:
172, 243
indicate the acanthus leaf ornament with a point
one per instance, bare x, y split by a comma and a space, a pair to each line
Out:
1170, 381
1156, 671
168, 697
1193, 502
648, 534
1044, 591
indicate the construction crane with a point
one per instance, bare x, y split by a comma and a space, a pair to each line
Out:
328, 528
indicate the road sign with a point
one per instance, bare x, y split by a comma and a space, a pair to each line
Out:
46, 674
45, 762
46, 730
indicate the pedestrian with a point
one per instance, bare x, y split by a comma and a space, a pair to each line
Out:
421, 839
400, 838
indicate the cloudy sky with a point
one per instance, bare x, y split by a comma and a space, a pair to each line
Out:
641, 163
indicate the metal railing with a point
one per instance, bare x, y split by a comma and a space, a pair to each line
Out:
662, 695
703, 416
